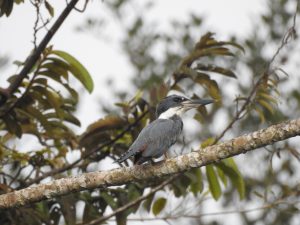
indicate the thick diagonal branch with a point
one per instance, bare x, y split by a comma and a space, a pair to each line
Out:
181, 163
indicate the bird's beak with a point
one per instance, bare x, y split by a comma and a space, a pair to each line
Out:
196, 103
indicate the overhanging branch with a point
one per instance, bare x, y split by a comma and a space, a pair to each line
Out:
33, 58
181, 163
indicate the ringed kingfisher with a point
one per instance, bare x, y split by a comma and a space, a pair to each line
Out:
157, 137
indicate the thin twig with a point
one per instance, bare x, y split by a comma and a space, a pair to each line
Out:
36, 5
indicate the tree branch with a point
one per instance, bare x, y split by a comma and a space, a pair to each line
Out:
175, 165
32, 59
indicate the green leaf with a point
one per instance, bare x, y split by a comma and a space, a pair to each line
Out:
216, 69
77, 69
268, 97
110, 122
51, 74
207, 142
66, 116
109, 200
260, 114
90, 213
54, 68
38, 115
53, 98
19, 1
214, 185
266, 105
210, 85
229, 167
12, 125
41, 81
197, 185
232, 44
215, 51
49, 8
67, 204
222, 176
147, 203
133, 193
6, 7
159, 205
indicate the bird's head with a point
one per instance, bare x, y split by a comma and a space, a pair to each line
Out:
177, 105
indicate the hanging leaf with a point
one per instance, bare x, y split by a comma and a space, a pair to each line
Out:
147, 203
267, 97
266, 105
68, 208
229, 167
49, 8
6, 7
213, 183
210, 85
222, 176
100, 131
197, 185
77, 69
109, 122
159, 205
207, 142
260, 114
12, 125
109, 200
216, 69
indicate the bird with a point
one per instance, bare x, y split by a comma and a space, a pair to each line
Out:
158, 136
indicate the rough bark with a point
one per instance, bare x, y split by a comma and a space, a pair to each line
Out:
181, 163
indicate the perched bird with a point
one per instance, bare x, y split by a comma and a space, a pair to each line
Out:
158, 136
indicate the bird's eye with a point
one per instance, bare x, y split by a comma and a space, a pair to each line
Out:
179, 99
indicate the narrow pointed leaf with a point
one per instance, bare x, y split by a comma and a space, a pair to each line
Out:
213, 183
266, 105
159, 205
216, 69
49, 8
229, 167
77, 69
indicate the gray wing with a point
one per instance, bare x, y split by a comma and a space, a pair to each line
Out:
155, 139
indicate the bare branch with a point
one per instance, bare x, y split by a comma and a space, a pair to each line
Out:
175, 165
